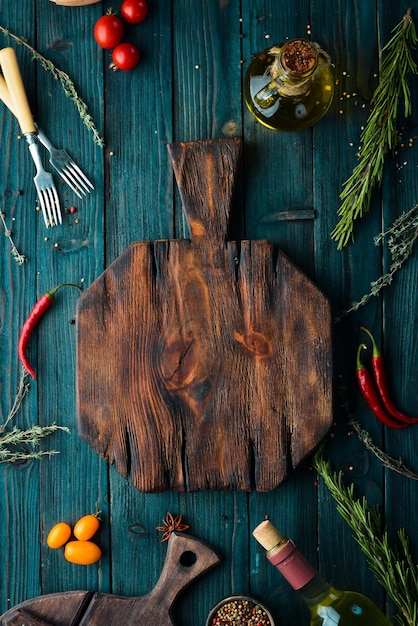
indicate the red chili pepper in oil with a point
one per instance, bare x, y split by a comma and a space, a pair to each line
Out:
379, 373
38, 310
370, 394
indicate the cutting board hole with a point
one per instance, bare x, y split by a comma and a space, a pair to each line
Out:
188, 558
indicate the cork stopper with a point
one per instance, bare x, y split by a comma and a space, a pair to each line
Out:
299, 56
268, 536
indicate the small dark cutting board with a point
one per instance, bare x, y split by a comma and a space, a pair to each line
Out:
204, 363
187, 558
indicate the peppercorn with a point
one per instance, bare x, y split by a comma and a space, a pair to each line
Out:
241, 612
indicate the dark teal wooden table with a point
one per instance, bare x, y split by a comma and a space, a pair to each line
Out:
188, 86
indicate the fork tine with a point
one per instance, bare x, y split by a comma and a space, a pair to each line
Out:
73, 176
66, 167
44, 184
76, 185
44, 210
81, 175
54, 205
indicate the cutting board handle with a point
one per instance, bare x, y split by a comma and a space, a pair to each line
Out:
205, 173
23, 618
187, 558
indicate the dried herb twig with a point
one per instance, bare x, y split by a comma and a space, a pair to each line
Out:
396, 465
65, 81
14, 443
19, 258
393, 567
400, 238
380, 134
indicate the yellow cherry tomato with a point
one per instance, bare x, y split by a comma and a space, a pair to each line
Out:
86, 527
82, 552
58, 535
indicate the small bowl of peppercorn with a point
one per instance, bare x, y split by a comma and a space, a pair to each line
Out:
239, 611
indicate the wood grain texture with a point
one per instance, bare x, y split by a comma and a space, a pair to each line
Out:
227, 370
187, 558
188, 87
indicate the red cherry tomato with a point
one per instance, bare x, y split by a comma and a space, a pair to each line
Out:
108, 31
134, 11
125, 56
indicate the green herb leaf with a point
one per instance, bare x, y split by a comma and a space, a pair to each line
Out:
18, 445
65, 81
380, 134
393, 567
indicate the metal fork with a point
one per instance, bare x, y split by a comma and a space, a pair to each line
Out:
44, 183
66, 167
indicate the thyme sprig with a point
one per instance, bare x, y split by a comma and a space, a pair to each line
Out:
18, 445
393, 567
364, 436
388, 461
379, 135
400, 239
19, 258
65, 81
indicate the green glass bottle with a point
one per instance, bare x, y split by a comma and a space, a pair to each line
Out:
289, 86
328, 606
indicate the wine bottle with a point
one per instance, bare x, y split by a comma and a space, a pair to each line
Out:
328, 606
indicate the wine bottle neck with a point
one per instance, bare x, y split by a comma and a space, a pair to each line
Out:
316, 590
292, 564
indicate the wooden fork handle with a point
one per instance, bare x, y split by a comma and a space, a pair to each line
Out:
14, 83
5, 96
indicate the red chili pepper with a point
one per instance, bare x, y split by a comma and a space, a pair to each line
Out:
35, 315
379, 372
370, 394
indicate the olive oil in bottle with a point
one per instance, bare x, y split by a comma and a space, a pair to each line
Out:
328, 606
289, 86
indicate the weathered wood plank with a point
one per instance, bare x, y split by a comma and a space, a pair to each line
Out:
399, 312
334, 157
278, 166
19, 484
279, 177
207, 90
73, 252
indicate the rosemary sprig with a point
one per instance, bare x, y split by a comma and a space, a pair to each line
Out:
400, 238
65, 81
16, 444
393, 567
379, 135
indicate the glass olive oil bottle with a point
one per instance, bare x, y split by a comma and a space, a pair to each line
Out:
289, 86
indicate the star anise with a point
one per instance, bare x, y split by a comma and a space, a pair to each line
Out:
170, 525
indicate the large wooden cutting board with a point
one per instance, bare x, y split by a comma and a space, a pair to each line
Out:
204, 363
